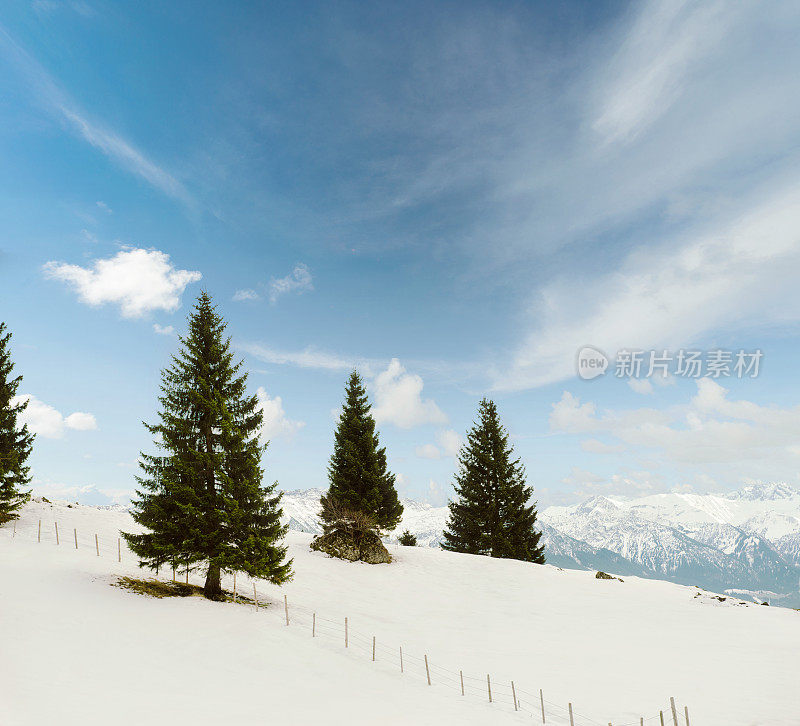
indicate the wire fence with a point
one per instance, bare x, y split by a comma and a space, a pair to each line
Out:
504, 695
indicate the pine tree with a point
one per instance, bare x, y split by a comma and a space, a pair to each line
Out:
358, 476
492, 515
407, 539
202, 499
15, 441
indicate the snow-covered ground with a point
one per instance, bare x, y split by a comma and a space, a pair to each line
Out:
77, 651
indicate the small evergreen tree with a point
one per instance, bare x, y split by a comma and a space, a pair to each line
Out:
16, 441
202, 499
492, 515
407, 539
357, 473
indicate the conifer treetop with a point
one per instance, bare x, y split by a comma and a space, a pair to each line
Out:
16, 442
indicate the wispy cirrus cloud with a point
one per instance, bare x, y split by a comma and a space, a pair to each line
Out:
299, 280
113, 145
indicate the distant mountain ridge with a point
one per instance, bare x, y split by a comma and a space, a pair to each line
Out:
747, 541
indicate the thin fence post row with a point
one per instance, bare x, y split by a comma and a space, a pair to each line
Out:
374, 638
14, 533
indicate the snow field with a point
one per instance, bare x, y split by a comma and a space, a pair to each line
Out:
617, 651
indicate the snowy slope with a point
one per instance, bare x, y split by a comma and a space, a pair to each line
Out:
718, 542
76, 651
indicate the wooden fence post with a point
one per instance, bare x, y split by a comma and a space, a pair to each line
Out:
57, 542
75, 530
514, 695
39, 537
14, 533
541, 700
373, 648
461, 673
314, 625
686, 712
489, 687
345, 631
119, 549
255, 595
674, 711
571, 719
661, 715
286, 608
427, 670
97, 544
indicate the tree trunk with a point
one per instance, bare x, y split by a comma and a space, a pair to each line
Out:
213, 588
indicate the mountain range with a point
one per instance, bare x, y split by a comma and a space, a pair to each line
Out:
745, 543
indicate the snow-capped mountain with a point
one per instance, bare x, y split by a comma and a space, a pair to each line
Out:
748, 541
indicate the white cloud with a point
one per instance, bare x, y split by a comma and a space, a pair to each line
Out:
245, 295
102, 205
428, 451
81, 421
449, 443
709, 429
308, 358
163, 329
641, 385
139, 281
276, 422
398, 399
298, 281
49, 423
594, 446
648, 72
743, 270
114, 146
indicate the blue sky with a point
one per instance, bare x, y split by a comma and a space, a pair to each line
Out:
453, 197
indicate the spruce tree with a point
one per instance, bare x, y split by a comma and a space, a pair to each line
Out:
16, 441
492, 515
358, 476
202, 499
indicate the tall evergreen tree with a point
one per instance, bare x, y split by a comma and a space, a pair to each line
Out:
202, 498
357, 473
492, 515
16, 441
